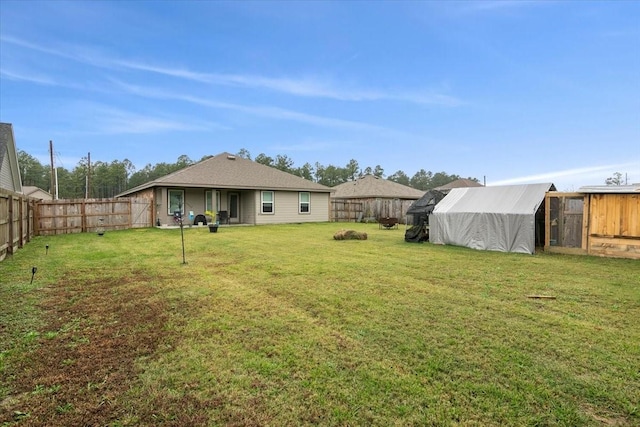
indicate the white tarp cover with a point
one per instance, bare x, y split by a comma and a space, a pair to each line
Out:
500, 218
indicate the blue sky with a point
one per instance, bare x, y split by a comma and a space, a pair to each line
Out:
514, 91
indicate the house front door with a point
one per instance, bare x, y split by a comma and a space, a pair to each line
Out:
234, 208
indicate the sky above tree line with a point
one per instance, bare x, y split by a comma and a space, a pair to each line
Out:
504, 91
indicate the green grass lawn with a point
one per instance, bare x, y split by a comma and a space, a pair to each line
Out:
282, 325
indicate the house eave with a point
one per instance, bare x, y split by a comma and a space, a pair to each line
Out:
217, 187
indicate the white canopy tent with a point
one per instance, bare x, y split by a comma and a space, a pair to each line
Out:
500, 218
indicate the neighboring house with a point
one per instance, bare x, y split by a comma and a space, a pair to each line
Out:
601, 220
372, 197
36, 193
241, 191
458, 183
9, 170
507, 218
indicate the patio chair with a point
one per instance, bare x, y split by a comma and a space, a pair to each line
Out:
223, 217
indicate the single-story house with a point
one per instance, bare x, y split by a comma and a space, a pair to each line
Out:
36, 192
9, 169
508, 218
602, 220
458, 183
239, 190
372, 197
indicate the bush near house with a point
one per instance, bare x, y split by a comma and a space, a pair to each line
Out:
283, 325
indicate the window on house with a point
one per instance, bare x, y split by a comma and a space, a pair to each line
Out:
267, 202
176, 201
208, 201
305, 202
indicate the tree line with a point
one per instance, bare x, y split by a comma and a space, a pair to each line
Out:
106, 179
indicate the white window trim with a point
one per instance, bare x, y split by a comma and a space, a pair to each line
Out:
273, 202
300, 202
169, 191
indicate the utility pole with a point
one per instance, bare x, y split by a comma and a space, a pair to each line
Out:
88, 189
53, 170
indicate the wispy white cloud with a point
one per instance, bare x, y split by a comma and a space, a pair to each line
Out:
499, 4
575, 174
27, 77
306, 87
261, 111
67, 51
123, 122
99, 119
303, 87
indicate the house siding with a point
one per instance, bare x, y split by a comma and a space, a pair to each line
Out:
6, 177
249, 206
286, 205
286, 208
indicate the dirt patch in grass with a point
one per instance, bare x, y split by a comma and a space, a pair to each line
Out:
85, 362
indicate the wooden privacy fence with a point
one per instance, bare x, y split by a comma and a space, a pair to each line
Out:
365, 209
89, 215
16, 221
346, 211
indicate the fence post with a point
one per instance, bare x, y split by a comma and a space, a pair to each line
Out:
30, 204
36, 219
21, 222
83, 217
10, 224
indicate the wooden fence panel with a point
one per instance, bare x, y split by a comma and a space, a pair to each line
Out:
615, 215
5, 224
88, 215
141, 213
346, 211
22, 217
16, 221
369, 208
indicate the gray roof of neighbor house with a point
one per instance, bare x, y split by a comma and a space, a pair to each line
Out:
9, 168
230, 171
370, 186
30, 190
459, 183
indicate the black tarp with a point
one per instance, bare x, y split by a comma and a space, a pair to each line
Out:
420, 210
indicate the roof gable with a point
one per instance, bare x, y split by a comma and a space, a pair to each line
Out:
226, 170
9, 169
372, 186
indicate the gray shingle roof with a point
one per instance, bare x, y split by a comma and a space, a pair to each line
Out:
459, 183
371, 186
229, 171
